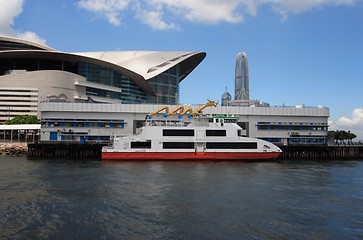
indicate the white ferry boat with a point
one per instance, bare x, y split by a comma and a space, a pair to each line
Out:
215, 138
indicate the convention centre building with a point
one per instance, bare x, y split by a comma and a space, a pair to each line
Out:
31, 73
95, 96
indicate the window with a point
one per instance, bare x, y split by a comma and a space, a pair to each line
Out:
232, 145
178, 132
146, 144
216, 133
178, 145
230, 120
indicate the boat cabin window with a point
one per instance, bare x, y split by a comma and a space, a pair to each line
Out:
146, 144
225, 120
178, 132
178, 145
232, 145
230, 120
216, 133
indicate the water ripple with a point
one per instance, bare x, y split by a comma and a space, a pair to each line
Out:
55, 199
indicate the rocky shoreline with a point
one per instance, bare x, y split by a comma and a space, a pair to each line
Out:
14, 149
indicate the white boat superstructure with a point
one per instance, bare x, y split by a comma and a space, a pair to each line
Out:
204, 138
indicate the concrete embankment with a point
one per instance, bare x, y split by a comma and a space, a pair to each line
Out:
14, 149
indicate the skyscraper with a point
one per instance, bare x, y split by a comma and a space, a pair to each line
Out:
241, 88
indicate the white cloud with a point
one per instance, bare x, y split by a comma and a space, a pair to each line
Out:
153, 18
152, 12
30, 36
9, 10
284, 7
110, 9
208, 11
354, 123
295, 6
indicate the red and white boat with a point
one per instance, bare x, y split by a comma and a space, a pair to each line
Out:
215, 138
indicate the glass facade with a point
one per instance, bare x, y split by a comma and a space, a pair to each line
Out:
34, 64
166, 87
130, 92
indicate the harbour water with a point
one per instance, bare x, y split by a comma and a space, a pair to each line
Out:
60, 199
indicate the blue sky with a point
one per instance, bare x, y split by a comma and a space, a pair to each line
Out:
300, 52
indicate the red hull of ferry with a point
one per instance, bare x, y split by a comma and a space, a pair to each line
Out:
188, 156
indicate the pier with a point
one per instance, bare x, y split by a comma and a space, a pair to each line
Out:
92, 151
66, 150
322, 152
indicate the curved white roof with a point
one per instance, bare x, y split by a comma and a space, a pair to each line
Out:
147, 64
25, 43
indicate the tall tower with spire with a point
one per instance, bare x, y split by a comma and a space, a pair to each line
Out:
242, 88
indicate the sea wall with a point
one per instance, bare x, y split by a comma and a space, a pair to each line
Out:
14, 149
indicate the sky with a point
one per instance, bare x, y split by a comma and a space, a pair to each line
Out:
300, 52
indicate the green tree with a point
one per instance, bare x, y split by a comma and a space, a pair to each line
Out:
351, 136
341, 136
337, 136
23, 119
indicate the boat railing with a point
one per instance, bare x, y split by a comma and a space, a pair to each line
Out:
164, 123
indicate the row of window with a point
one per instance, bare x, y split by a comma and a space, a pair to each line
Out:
312, 139
29, 64
190, 145
5, 112
83, 123
73, 137
286, 128
307, 140
291, 123
16, 106
12, 95
17, 90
